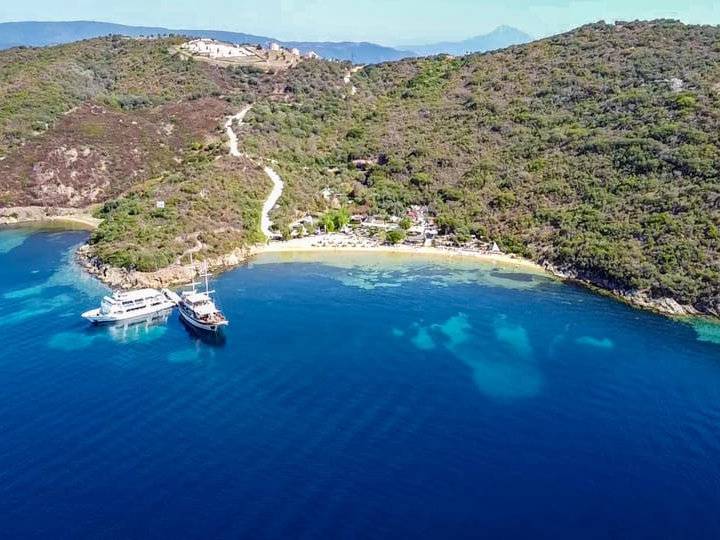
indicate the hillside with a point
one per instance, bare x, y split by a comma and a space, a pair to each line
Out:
595, 151
83, 123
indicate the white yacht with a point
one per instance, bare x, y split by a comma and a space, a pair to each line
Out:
129, 305
198, 309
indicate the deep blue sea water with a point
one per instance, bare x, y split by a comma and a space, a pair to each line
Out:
353, 397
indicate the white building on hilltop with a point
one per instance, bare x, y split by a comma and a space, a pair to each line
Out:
215, 49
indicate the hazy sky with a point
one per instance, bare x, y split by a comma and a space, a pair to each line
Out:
382, 21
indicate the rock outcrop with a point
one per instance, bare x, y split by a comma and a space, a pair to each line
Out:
640, 299
175, 274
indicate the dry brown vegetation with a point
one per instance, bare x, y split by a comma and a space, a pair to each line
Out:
96, 152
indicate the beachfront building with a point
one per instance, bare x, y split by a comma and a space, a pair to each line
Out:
275, 47
312, 55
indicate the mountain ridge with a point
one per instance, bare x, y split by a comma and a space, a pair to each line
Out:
45, 33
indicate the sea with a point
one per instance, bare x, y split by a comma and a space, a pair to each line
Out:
352, 396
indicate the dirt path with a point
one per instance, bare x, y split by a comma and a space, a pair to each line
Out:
196, 248
271, 201
278, 184
239, 117
348, 76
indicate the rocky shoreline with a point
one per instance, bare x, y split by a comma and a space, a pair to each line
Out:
181, 274
174, 274
639, 299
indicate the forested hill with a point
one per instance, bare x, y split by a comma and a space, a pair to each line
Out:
596, 151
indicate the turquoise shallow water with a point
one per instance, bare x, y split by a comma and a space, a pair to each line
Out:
353, 397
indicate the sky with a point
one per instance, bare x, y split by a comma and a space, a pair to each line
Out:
391, 22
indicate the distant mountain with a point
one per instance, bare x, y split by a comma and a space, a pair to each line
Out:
38, 34
358, 53
501, 37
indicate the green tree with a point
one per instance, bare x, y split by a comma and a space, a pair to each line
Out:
395, 236
341, 218
335, 220
328, 222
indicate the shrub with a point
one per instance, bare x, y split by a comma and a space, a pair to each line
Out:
395, 236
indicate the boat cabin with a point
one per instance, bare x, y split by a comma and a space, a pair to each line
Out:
131, 300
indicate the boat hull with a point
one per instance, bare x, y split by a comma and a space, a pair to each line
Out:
194, 323
95, 316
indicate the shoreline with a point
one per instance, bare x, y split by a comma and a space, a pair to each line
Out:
37, 216
304, 245
178, 274
181, 274
668, 307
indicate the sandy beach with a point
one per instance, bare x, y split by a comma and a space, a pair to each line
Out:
333, 243
80, 220
74, 218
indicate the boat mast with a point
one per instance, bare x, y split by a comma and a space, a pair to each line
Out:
207, 287
194, 283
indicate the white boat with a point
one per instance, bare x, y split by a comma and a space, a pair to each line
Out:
198, 309
137, 329
130, 305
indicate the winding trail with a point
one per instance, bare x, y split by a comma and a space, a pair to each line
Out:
239, 117
271, 201
196, 248
278, 184
348, 76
